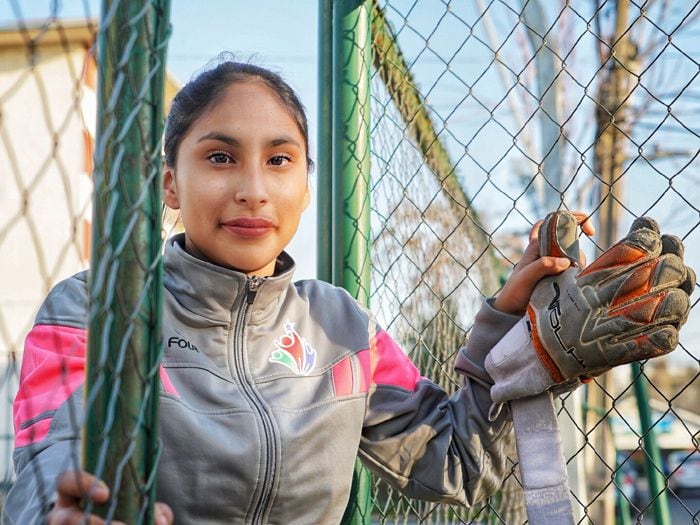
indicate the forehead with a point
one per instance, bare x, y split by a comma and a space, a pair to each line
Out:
249, 106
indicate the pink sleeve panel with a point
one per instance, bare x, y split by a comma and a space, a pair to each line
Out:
383, 363
167, 383
387, 364
53, 367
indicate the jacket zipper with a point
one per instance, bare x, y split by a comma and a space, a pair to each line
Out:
251, 290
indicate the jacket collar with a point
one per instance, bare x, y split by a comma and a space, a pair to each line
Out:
213, 291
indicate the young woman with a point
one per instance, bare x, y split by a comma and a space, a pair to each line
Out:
270, 388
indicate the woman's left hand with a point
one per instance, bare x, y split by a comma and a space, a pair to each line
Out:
515, 294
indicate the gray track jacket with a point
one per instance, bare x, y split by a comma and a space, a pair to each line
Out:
270, 390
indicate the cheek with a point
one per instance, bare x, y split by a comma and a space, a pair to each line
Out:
295, 200
203, 200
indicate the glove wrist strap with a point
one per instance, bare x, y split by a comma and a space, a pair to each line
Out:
542, 464
546, 359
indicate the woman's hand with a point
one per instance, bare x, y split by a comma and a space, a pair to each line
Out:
515, 294
75, 486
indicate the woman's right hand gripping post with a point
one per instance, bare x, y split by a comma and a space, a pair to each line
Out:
74, 487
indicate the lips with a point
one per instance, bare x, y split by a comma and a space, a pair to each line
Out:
250, 227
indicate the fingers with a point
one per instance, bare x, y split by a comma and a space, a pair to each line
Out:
72, 488
75, 516
670, 244
582, 219
621, 257
645, 239
585, 222
164, 514
624, 285
651, 343
515, 295
72, 516
543, 267
670, 307
657, 342
674, 309
558, 236
661, 341
688, 286
531, 253
74, 485
534, 231
645, 223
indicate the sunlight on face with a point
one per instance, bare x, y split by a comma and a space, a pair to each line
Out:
240, 180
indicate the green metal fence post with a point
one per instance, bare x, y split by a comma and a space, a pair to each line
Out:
124, 337
350, 180
623, 505
351, 214
652, 458
324, 158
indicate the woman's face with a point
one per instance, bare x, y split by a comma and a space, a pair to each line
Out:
240, 180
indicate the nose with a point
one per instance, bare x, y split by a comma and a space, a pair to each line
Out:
251, 189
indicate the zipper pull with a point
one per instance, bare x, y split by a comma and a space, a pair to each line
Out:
252, 285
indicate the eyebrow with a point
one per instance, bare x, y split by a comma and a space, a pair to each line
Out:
284, 139
232, 141
221, 137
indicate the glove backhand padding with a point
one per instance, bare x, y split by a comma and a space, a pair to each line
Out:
627, 305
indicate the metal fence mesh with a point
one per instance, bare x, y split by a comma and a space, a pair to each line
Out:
486, 115
60, 104
47, 121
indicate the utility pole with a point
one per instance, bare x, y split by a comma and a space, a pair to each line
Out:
618, 58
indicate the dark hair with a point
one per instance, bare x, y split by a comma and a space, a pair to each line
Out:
203, 91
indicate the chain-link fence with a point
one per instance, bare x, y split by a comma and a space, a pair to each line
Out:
58, 69
47, 128
488, 114
483, 116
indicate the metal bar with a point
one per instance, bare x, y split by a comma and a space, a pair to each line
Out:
652, 458
120, 437
623, 505
324, 193
351, 157
350, 182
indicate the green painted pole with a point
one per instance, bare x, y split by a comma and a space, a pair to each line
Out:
324, 157
623, 506
351, 155
350, 182
652, 458
120, 437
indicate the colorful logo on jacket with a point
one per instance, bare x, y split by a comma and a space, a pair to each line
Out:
294, 352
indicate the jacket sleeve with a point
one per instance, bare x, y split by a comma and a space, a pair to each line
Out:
47, 410
429, 445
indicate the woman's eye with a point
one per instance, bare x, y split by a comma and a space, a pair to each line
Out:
280, 160
220, 158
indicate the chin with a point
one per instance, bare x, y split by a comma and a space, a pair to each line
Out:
245, 266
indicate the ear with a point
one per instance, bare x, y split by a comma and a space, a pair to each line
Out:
170, 188
307, 197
